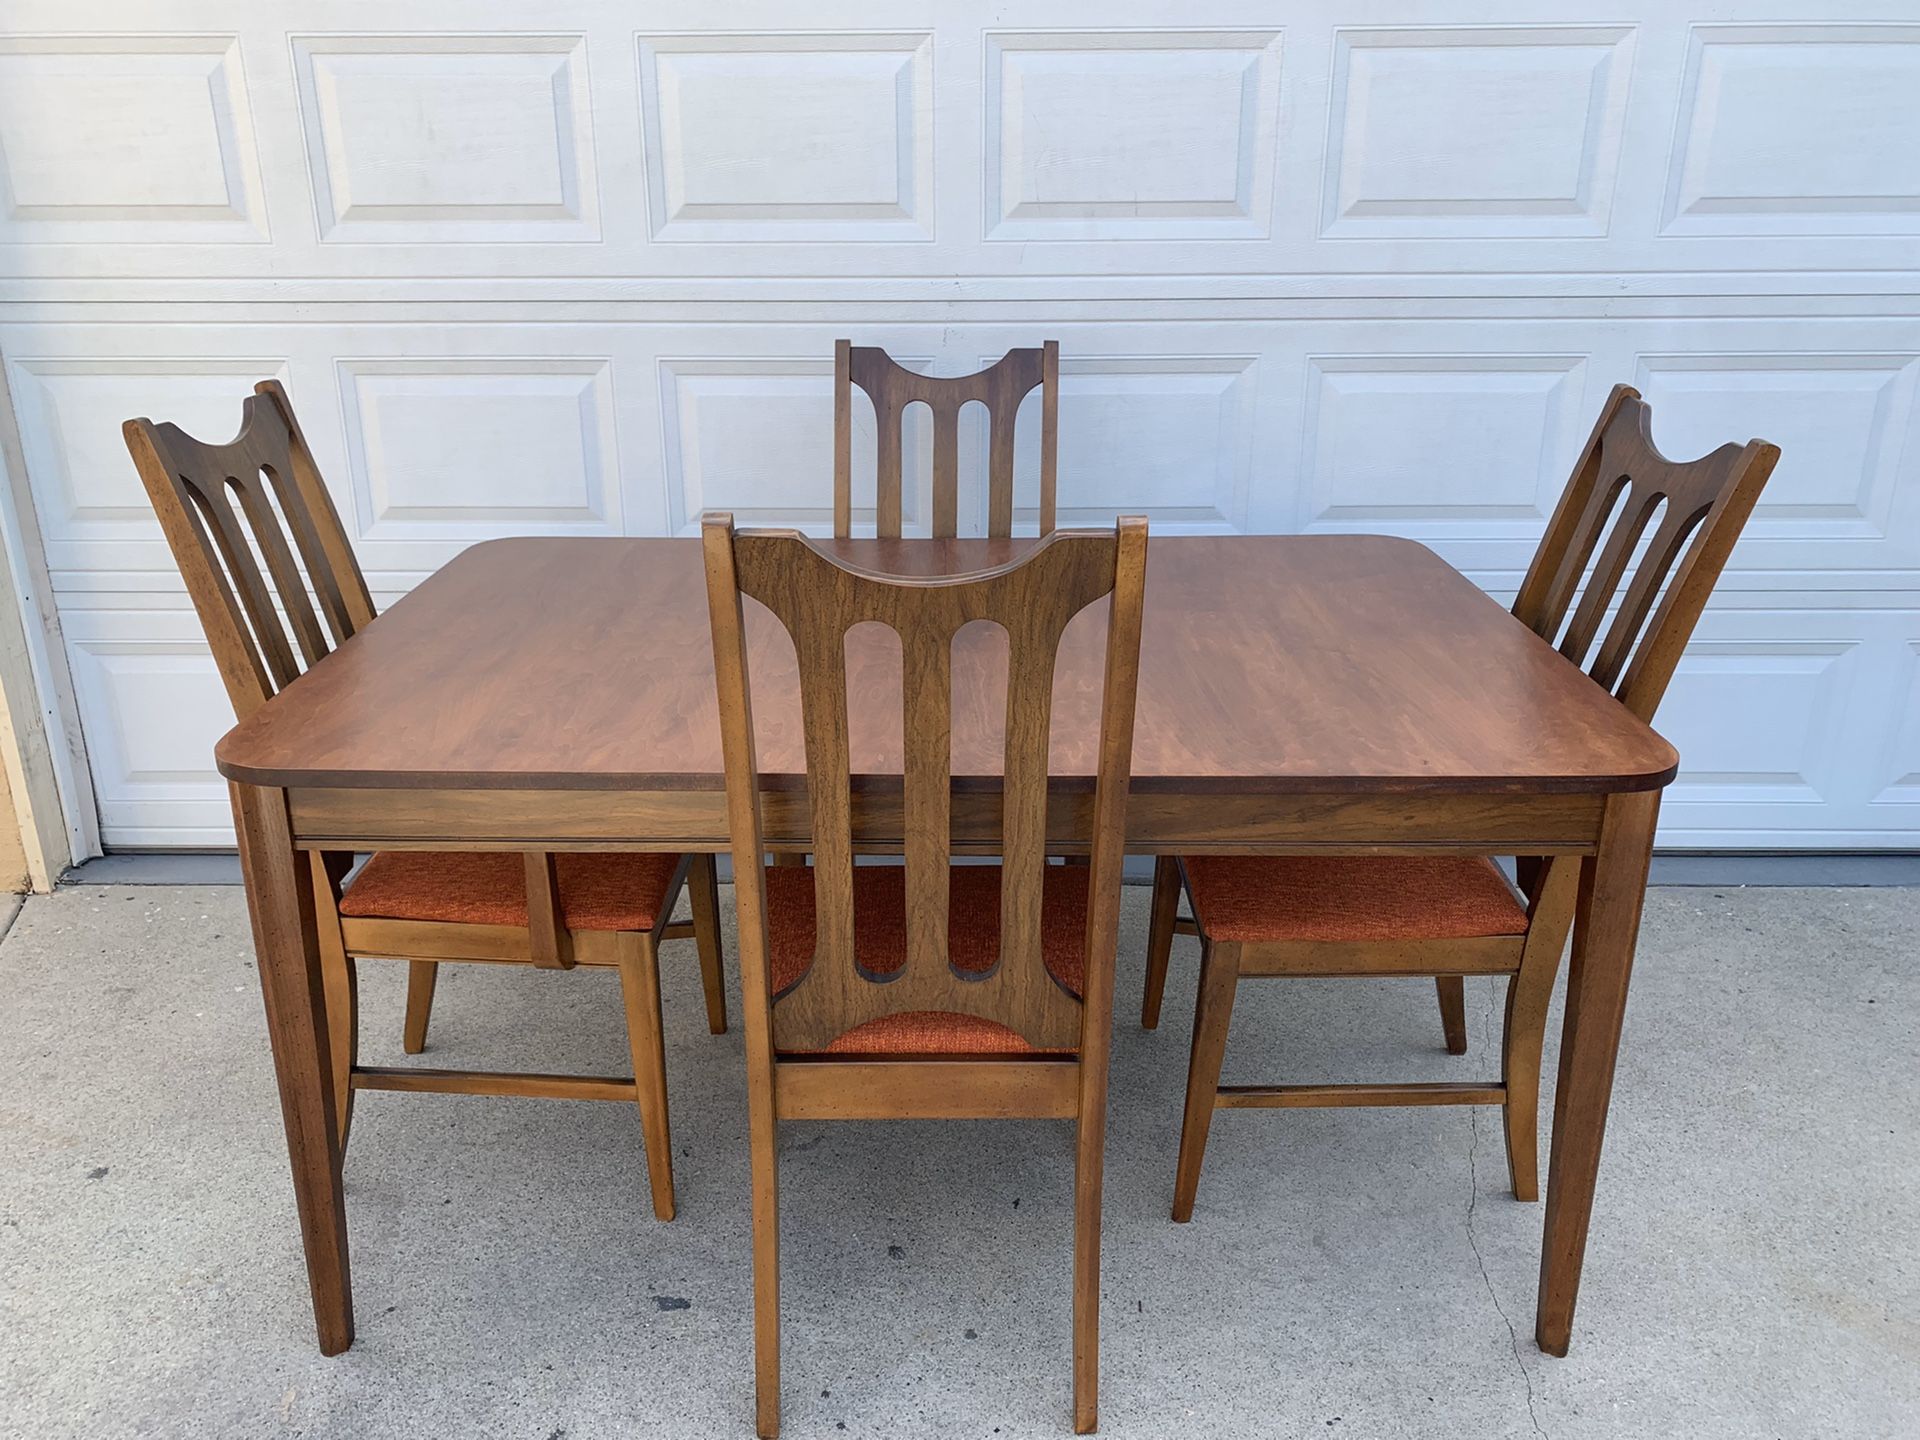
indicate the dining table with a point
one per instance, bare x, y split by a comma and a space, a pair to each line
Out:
1298, 694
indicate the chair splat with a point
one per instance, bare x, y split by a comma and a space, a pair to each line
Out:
226, 510
892, 388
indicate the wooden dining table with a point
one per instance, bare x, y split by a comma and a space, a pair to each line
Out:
1323, 694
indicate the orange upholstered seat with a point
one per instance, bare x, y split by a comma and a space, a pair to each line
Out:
973, 943
1249, 899
597, 892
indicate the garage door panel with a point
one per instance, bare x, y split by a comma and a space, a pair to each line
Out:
1848, 427
470, 449
1130, 135
1756, 720
1901, 768
127, 137
755, 436
1477, 132
1167, 437
937, 141
1445, 448
1765, 710
377, 113
154, 704
93, 511
783, 138
1841, 159
578, 269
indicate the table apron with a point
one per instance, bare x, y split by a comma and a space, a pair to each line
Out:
1158, 822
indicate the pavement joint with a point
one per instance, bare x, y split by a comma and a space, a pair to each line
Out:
1473, 1201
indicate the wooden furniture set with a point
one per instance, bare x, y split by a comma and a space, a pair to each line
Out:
1141, 695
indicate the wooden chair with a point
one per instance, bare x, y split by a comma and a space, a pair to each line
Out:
892, 388
1000, 387
1453, 916
227, 511
933, 991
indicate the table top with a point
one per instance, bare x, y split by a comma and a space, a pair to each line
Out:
1268, 664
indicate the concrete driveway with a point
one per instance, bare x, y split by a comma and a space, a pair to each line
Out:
1754, 1268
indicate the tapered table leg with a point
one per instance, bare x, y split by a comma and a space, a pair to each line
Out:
286, 949
1613, 885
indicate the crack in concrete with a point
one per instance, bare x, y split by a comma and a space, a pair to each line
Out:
12, 918
1473, 1201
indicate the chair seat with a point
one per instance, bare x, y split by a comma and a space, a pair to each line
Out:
1251, 899
973, 944
596, 891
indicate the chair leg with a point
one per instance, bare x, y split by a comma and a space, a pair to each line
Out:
341, 984
1528, 995
703, 892
1166, 907
1453, 1011
1219, 979
1089, 1177
1554, 887
764, 1154
421, 976
640, 987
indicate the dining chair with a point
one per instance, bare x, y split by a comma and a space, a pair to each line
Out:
932, 990
1454, 916
259, 501
892, 388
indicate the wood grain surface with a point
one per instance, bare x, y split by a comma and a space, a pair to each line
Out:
1268, 663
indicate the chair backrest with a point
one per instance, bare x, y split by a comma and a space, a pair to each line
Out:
1000, 387
222, 508
818, 599
1622, 477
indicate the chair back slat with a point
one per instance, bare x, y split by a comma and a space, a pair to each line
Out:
215, 504
892, 388
926, 790
888, 428
822, 660
818, 599
1619, 485
1023, 806
288, 583
262, 625
325, 549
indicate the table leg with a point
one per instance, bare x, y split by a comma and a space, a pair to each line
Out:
1613, 886
286, 949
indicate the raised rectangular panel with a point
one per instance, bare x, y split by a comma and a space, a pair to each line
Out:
151, 710
471, 449
1476, 131
126, 137
756, 437
1902, 767
86, 493
826, 135
1440, 446
1841, 422
1168, 437
1797, 130
1131, 135
1755, 720
448, 137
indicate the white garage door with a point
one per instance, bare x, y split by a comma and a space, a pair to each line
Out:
570, 267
